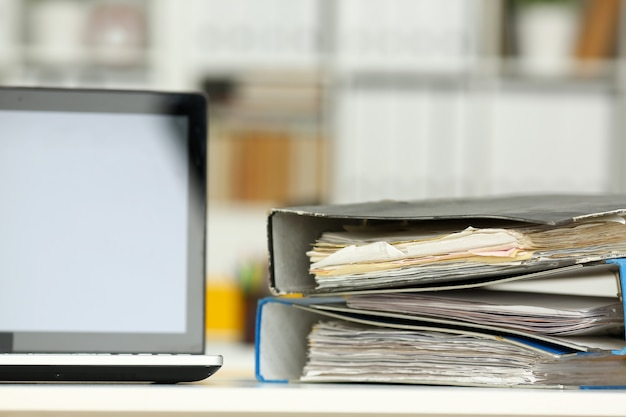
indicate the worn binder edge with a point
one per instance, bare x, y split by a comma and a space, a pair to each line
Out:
291, 230
281, 335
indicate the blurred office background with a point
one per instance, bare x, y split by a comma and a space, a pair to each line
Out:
334, 101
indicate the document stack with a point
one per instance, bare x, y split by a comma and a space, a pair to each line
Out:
515, 291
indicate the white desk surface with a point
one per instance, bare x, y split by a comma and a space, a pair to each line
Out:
233, 392
248, 397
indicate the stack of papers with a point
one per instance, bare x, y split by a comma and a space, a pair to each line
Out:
366, 257
342, 351
547, 314
347, 352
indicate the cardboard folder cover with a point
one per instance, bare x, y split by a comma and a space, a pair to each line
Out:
292, 231
283, 350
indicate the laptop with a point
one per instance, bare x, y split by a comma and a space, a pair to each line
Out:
102, 242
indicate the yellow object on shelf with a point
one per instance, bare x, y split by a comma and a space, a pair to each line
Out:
224, 310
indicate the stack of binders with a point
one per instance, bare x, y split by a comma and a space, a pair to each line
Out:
515, 291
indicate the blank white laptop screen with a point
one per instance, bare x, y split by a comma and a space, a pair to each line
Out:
94, 237
102, 221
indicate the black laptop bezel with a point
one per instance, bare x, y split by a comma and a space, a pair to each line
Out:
191, 105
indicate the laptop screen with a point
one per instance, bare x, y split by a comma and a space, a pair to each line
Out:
102, 221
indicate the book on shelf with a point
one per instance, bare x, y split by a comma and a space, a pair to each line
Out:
599, 25
521, 291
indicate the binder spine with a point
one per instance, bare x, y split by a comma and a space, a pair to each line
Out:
281, 339
257, 343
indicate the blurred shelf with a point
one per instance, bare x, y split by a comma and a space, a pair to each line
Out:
85, 56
